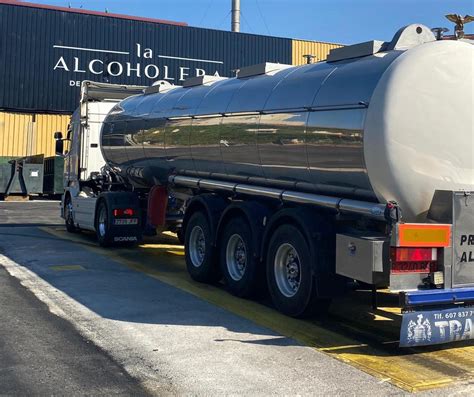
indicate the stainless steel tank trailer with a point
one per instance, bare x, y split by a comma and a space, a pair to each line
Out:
297, 179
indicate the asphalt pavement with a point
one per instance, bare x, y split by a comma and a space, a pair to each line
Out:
43, 354
30, 213
170, 340
79, 319
40, 352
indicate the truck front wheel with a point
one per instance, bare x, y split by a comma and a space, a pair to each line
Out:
289, 273
69, 215
102, 224
199, 252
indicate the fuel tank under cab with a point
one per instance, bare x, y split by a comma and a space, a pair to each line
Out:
396, 124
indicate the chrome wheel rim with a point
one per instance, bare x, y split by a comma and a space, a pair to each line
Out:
236, 257
102, 221
197, 246
287, 268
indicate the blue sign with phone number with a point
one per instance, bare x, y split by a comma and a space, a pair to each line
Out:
437, 326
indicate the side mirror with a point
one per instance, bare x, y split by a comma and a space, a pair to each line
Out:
58, 135
59, 147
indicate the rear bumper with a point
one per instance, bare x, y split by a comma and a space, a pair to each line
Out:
436, 297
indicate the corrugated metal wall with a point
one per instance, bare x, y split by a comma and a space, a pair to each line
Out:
303, 47
46, 53
27, 134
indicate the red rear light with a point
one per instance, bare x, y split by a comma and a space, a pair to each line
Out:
124, 212
402, 254
414, 260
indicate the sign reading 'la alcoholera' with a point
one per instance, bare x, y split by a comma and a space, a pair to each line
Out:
83, 63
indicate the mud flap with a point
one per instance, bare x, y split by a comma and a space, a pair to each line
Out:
432, 327
123, 230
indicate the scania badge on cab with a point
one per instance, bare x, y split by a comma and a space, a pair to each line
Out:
298, 178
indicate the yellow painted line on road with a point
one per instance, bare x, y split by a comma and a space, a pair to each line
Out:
355, 336
178, 253
63, 268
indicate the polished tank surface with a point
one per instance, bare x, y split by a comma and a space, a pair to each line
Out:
375, 128
274, 129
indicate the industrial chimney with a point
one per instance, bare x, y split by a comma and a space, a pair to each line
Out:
235, 25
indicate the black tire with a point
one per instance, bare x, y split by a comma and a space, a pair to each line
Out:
68, 215
242, 274
292, 249
181, 236
199, 252
102, 224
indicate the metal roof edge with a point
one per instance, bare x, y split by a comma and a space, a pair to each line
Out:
89, 12
319, 42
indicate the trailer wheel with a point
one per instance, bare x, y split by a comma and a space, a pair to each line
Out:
289, 274
102, 224
69, 216
199, 253
239, 264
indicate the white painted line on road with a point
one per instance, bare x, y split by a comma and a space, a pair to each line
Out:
44, 291
199, 350
88, 323
32, 201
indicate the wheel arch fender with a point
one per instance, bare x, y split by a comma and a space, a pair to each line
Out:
211, 205
311, 223
254, 213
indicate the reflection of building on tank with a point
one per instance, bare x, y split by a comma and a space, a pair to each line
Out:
282, 125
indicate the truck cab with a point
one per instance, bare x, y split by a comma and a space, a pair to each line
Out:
83, 163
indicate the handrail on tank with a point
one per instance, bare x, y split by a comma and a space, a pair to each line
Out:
341, 205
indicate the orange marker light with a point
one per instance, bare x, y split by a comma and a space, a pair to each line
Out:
423, 235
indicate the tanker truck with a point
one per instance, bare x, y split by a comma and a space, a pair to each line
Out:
296, 180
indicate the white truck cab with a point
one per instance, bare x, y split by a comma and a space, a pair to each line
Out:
84, 160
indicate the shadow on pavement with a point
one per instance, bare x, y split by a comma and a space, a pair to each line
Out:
116, 292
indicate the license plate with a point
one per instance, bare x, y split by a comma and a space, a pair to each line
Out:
126, 221
437, 326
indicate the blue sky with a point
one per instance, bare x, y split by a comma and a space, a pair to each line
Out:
341, 21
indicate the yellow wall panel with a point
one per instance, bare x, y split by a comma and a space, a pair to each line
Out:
303, 47
28, 134
46, 125
13, 133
